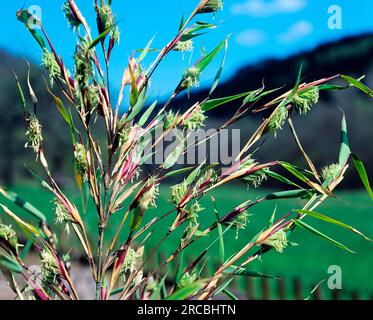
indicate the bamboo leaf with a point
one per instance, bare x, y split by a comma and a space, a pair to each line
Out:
26, 227
10, 263
173, 156
177, 172
220, 71
20, 93
363, 174
138, 106
289, 194
220, 232
344, 152
230, 294
146, 50
25, 205
307, 227
100, 38
358, 84
187, 291
213, 103
325, 218
247, 273
205, 61
147, 114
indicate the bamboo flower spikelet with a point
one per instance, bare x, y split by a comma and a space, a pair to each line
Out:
126, 200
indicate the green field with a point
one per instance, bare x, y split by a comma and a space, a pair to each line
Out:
309, 260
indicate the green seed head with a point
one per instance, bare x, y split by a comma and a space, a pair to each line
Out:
256, 179
83, 65
130, 261
193, 211
186, 280
148, 199
240, 222
62, 215
108, 21
71, 18
190, 78
169, 119
195, 120
278, 119
209, 177
211, 6
93, 96
34, 134
306, 100
277, 241
49, 62
8, 234
49, 266
178, 192
330, 172
80, 155
184, 46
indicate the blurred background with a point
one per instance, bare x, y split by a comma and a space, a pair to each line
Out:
269, 40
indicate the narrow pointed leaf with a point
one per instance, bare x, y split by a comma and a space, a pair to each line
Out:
307, 227
325, 218
363, 174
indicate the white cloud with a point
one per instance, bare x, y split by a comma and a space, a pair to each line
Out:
267, 8
297, 31
251, 37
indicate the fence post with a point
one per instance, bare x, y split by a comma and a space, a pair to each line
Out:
318, 294
250, 288
298, 292
266, 294
355, 295
336, 294
281, 295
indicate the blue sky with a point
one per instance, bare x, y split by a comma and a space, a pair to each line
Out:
259, 28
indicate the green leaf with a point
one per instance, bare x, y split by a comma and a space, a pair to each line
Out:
280, 178
187, 291
289, 194
174, 156
258, 94
247, 273
146, 50
205, 61
325, 218
25, 205
294, 170
10, 264
26, 249
20, 93
307, 227
147, 114
100, 38
138, 106
220, 71
27, 228
330, 87
177, 172
157, 290
363, 174
344, 152
213, 103
230, 294
356, 83
297, 83
194, 174
220, 232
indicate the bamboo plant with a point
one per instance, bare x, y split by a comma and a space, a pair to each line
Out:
107, 170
